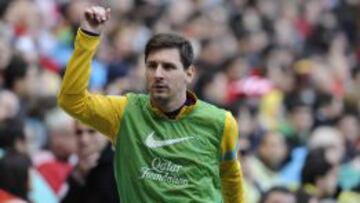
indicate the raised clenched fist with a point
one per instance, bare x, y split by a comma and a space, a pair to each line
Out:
95, 18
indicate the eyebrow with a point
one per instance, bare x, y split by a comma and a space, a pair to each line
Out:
161, 62
169, 64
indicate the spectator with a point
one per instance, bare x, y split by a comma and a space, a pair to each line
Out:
271, 156
9, 104
298, 126
327, 109
16, 76
293, 66
352, 97
56, 163
6, 53
331, 140
318, 178
17, 80
349, 176
15, 177
92, 179
13, 138
12, 135
348, 124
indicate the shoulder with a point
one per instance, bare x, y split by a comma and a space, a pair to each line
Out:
211, 107
211, 112
137, 97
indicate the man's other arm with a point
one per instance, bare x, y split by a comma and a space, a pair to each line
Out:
230, 170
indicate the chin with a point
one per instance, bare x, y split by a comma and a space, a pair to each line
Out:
159, 96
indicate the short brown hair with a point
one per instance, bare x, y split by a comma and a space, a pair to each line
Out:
169, 40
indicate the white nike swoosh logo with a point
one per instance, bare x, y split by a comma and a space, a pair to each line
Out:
151, 142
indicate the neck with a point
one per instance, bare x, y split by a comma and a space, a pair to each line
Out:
167, 106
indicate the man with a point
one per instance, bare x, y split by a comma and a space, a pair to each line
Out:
271, 156
92, 180
12, 135
56, 163
170, 146
318, 177
9, 104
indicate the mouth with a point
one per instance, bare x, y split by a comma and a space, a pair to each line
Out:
159, 88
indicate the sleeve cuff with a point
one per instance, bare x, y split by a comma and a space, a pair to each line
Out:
89, 33
86, 41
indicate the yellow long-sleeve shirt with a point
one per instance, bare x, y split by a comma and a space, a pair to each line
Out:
104, 113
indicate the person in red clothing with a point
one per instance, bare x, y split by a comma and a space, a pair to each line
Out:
56, 164
6, 197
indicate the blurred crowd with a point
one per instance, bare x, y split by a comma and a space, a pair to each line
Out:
288, 70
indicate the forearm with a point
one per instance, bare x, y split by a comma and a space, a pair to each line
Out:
73, 93
230, 170
232, 182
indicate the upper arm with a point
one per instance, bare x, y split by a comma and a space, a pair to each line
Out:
104, 113
229, 139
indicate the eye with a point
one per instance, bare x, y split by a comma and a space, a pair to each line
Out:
169, 66
151, 65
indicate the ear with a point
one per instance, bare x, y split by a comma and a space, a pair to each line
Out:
190, 72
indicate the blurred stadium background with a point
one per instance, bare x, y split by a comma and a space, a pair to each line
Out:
288, 70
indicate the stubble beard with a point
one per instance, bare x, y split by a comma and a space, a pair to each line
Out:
159, 98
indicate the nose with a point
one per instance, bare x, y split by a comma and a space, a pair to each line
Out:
159, 73
84, 139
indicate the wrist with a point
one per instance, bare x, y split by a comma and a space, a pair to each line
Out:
85, 41
90, 33
91, 29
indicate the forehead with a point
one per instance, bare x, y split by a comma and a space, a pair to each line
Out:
82, 126
272, 137
164, 55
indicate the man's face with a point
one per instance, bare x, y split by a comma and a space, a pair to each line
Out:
62, 142
165, 75
89, 141
302, 118
273, 150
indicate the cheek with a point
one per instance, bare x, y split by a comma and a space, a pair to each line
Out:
179, 83
148, 79
147, 75
181, 78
